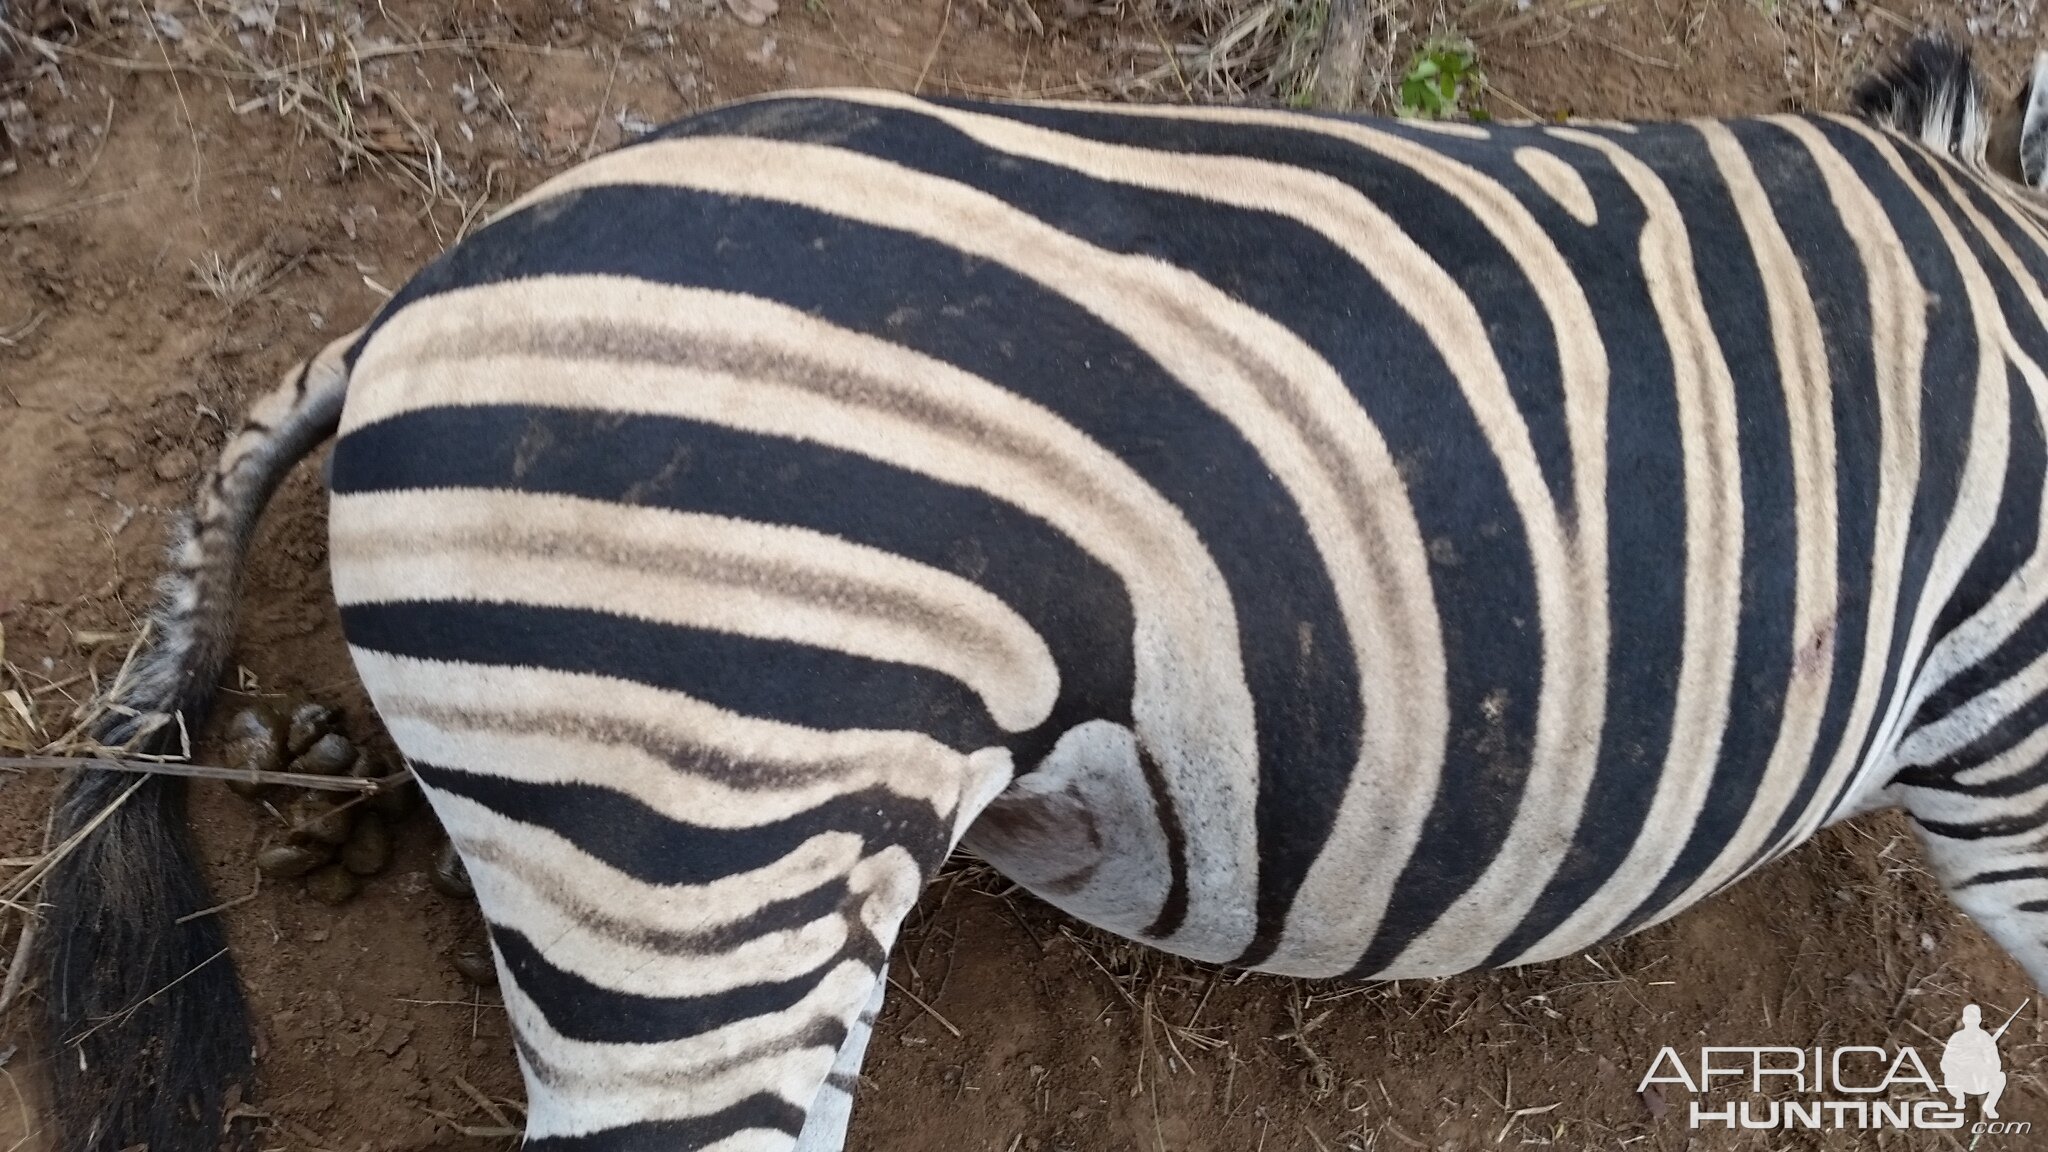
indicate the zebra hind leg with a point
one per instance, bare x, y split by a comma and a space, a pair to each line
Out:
1988, 845
832, 1109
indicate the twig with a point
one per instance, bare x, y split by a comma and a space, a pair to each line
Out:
224, 905
484, 1102
17, 968
943, 1022
945, 21
597, 121
133, 1008
370, 785
106, 130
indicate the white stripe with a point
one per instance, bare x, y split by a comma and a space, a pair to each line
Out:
683, 758
694, 570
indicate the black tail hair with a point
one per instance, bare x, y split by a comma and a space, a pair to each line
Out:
145, 1024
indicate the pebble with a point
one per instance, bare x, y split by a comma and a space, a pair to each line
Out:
289, 242
176, 464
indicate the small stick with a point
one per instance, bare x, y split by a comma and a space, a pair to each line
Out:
947, 1024
945, 20
484, 1102
2009, 1019
17, 969
224, 905
371, 785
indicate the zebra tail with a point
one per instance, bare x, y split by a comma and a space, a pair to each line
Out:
144, 1022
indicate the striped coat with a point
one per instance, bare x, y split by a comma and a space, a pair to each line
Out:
1326, 546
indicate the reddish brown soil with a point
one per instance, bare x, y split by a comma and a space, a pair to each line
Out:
1039, 1036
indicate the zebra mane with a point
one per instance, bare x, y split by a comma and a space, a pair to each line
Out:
1932, 92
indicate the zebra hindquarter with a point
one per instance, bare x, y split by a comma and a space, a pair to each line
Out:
693, 860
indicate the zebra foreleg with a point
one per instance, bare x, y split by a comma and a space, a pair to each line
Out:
1989, 848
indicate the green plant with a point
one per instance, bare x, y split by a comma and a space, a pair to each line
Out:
1441, 79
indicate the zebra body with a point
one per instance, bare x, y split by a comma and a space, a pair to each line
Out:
1327, 546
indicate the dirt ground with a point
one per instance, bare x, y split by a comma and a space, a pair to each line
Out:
177, 226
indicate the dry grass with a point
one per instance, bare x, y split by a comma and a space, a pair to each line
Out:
40, 717
1259, 50
312, 72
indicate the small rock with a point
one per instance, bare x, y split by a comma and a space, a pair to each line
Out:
888, 27
115, 447
176, 464
368, 850
291, 242
753, 13
333, 885
390, 1036
563, 127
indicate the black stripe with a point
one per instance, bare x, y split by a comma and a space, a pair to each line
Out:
1067, 596
1999, 826
1174, 909
762, 1110
928, 298
649, 846
2006, 876
587, 1012
773, 679
1943, 778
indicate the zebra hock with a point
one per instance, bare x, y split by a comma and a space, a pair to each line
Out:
1335, 547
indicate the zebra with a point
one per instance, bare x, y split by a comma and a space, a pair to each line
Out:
1327, 546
